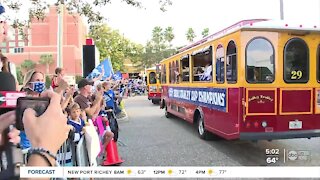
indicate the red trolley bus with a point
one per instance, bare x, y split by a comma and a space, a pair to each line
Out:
255, 80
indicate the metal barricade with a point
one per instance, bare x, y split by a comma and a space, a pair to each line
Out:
82, 158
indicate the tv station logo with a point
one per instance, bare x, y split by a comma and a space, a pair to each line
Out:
298, 155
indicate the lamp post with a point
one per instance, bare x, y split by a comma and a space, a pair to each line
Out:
281, 10
60, 34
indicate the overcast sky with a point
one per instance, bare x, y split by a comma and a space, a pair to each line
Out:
137, 24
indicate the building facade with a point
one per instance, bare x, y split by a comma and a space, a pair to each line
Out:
42, 40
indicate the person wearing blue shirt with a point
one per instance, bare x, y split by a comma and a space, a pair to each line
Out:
109, 95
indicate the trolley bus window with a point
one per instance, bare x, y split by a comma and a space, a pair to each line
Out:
177, 71
173, 74
231, 62
296, 61
152, 78
185, 68
164, 75
202, 65
259, 61
220, 64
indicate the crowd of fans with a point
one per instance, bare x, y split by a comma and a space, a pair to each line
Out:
71, 107
136, 87
88, 100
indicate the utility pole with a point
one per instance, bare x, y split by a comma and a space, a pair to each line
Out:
60, 34
281, 10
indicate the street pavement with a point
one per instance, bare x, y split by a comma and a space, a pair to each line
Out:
148, 138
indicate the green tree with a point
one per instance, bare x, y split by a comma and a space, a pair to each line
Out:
85, 8
168, 34
190, 35
19, 75
114, 45
205, 32
28, 65
47, 60
159, 47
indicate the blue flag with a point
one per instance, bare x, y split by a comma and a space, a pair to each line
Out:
2, 10
108, 70
117, 76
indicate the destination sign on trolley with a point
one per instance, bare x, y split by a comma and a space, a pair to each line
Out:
214, 98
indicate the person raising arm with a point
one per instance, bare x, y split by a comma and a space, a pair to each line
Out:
83, 99
46, 132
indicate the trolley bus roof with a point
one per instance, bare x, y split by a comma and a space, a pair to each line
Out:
256, 24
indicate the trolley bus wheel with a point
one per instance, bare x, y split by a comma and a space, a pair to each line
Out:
203, 133
167, 114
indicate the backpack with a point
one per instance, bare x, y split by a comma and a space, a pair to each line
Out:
113, 123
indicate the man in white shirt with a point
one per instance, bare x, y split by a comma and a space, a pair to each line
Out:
207, 74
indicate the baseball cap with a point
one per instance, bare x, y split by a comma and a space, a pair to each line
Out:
83, 82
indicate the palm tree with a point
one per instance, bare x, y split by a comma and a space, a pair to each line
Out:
190, 35
168, 34
46, 59
205, 32
28, 65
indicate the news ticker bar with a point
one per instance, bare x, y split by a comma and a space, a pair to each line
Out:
170, 172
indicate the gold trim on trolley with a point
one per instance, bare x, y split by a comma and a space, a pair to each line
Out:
261, 89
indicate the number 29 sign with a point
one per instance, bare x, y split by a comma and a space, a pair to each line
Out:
295, 75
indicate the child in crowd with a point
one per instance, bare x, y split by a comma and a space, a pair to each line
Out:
76, 121
78, 124
107, 134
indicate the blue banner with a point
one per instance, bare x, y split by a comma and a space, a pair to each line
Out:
2, 9
117, 76
108, 70
214, 98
